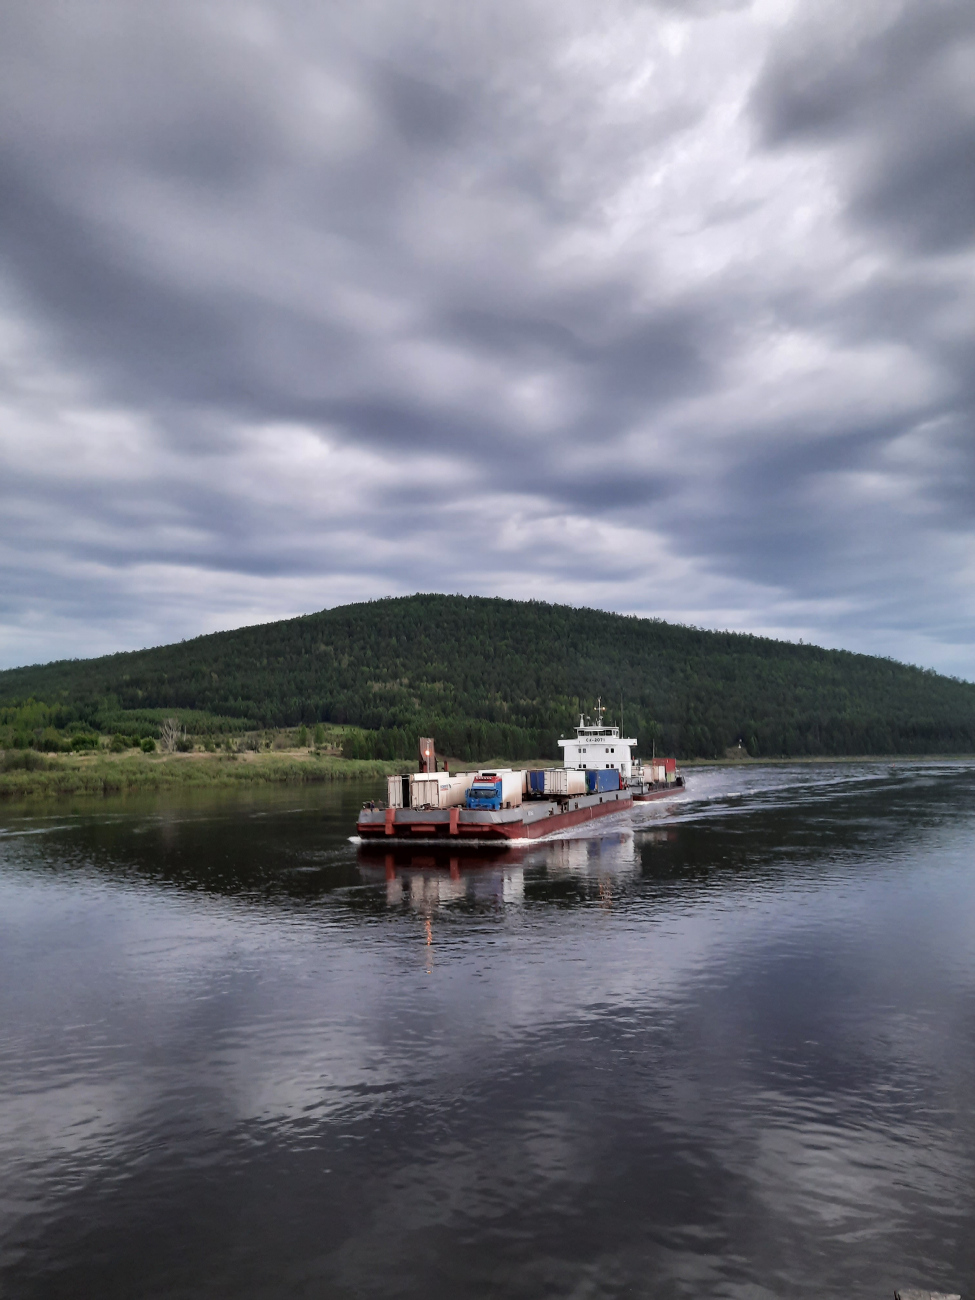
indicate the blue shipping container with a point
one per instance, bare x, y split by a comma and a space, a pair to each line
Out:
604, 778
536, 781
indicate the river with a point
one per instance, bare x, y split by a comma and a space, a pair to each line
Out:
722, 1047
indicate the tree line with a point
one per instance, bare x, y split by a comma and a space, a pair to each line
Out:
487, 677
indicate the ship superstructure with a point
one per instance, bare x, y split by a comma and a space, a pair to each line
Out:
598, 746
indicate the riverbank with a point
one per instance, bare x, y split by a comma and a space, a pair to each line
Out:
111, 774
133, 771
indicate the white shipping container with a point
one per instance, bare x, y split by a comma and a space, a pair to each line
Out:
511, 788
564, 781
394, 789
556, 780
439, 789
460, 784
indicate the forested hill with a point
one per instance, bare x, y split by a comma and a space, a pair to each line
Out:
489, 677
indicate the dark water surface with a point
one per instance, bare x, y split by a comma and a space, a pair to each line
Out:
725, 1048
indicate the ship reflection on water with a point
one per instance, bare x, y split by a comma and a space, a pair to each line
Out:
429, 876
426, 879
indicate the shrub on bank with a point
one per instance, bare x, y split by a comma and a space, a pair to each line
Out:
83, 742
23, 760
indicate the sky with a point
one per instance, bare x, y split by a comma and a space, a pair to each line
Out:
664, 308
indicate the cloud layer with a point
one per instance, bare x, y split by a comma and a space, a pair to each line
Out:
666, 310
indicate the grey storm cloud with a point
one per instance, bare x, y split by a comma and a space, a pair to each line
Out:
665, 309
898, 101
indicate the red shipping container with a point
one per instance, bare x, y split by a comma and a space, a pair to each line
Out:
670, 764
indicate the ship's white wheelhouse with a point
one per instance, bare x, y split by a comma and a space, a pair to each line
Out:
598, 747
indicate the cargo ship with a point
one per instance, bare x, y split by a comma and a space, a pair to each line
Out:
598, 778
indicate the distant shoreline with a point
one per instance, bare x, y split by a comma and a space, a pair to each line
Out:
104, 774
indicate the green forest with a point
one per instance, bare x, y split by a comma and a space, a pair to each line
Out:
489, 677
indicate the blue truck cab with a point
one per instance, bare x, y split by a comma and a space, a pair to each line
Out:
485, 792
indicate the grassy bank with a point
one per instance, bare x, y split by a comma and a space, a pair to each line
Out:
110, 774
26, 775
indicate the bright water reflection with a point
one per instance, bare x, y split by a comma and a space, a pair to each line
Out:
724, 1047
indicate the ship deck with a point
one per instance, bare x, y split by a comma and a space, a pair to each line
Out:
530, 820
